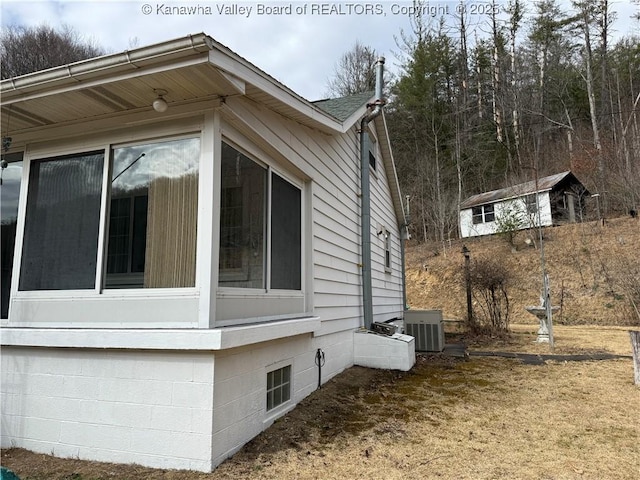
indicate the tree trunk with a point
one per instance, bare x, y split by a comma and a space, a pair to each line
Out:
479, 86
593, 112
497, 114
515, 24
635, 345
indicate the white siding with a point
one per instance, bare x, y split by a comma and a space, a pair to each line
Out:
332, 165
469, 229
387, 286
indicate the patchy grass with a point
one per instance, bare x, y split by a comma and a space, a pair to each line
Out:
486, 418
568, 340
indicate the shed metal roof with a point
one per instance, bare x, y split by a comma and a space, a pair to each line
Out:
544, 184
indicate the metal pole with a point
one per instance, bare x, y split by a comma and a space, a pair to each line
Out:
546, 295
467, 276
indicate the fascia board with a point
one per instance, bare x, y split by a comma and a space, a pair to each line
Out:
239, 68
390, 167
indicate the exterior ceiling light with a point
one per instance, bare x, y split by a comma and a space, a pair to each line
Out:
160, 104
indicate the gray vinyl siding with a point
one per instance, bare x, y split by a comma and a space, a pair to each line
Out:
331, 163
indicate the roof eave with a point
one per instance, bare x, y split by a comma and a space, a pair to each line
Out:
104, 66
102, 69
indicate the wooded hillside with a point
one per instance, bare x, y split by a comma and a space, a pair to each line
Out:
594, 272
487, 101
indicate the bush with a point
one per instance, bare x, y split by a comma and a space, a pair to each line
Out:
509, 222
489, 283
622, 273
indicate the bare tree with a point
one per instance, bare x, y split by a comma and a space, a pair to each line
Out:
354, 72
29, 49
585, 18
516, 14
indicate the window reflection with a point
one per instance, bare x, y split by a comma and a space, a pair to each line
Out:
153, 215
242, 221
10, 191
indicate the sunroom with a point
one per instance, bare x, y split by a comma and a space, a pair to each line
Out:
123, 216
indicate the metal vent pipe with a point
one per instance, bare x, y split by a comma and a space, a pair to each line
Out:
365, 209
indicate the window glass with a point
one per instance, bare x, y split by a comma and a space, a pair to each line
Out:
278, 387
62, 222
477, 215
153, 215
285, 235
387, 251
531, 203
242, 221
489, 216
10, 191
372, 152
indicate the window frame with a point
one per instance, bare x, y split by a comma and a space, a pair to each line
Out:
271, 167
373, 152
15, 157
279, 407
489, 211
531, 203
480, 214
387, 259
105, 143
111, 148
95, 159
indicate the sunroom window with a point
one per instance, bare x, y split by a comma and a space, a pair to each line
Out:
10, 194
153, 215
254, 201
62, 223
151, 219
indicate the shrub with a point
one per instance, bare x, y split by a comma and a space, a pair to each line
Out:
509, 222
489, 283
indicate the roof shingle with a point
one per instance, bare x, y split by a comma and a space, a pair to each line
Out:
343, 107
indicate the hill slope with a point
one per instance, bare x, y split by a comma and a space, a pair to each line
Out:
593, 270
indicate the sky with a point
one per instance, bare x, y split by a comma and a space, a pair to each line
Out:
297, 42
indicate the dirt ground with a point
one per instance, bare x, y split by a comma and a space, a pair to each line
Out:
592, 269
483, 418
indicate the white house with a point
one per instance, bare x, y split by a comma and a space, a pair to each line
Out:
183, 236
560, 199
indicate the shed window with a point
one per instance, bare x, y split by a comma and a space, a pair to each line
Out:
489, 215
531, 203
483, 214
254, 201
